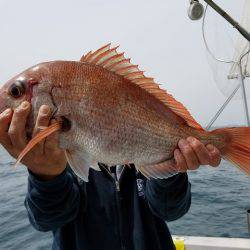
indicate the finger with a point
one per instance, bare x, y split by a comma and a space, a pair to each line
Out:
42, 121
52, 144
215, 155
52, 141
180, 161
5, 119
189, 155
17, 126
200, 150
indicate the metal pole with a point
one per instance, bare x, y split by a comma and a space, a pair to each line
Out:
223, 107
248, 219
242, 78
242, 85
235, 24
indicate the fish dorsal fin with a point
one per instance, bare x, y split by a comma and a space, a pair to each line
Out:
92, 55
111, 60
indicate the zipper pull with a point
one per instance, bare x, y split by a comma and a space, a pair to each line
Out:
117, 186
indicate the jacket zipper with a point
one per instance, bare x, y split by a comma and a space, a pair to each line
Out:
118, 205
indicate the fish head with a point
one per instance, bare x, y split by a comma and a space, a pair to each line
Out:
14, 92
33, 85
20, 88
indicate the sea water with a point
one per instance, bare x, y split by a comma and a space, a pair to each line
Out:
220, 199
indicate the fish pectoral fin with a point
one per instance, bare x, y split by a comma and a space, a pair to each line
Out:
80, 162
38, 138
95, 166
159, 171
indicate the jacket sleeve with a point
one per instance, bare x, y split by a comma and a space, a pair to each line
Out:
52, 204
169, 198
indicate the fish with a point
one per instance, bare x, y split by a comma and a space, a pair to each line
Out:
107, 111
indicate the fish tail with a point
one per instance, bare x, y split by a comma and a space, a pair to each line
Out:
38, 138
237, 148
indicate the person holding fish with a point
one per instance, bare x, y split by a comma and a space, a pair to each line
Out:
107, 151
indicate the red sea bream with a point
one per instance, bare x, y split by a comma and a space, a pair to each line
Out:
109, 112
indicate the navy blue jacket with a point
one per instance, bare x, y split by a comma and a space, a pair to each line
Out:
105, 214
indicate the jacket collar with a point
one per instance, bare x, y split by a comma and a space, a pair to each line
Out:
106, 171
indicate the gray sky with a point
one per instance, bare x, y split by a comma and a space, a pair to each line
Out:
157, 35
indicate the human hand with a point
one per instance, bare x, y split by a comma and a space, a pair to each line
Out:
192, 153
46, 159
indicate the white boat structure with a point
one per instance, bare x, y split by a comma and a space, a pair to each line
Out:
210, 243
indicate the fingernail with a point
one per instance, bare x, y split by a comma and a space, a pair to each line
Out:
191, 139
182, 142
24, 105
45, 109
6, 112
210, 147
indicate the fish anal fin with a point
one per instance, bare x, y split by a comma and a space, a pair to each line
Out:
159, 171
111, 60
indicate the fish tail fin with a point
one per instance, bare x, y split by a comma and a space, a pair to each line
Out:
237, 149
39, 137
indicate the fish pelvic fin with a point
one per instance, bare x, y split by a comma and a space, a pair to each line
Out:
38, 138
111, 60
237, 149
160, 170
80, 162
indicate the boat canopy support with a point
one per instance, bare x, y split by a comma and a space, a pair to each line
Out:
241, 86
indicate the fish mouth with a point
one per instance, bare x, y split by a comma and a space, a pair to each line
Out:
3, 103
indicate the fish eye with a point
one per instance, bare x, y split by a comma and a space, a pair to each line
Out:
17, 89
